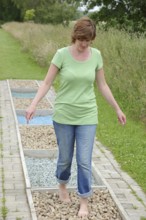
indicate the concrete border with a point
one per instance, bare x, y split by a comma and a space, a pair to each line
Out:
70, 188
31, 204
26, 177
39, 112
23, 90
49, 153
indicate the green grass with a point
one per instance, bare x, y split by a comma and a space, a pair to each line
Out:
127, 143
16, 64
124, 61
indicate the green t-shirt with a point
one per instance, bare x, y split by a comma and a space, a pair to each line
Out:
75, 103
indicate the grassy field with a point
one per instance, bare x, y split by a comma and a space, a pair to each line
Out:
124, 63
15, 64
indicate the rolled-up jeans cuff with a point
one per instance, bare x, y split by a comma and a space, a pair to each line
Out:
85, 195
62, 181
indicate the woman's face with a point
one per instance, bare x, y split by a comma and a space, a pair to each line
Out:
82, 45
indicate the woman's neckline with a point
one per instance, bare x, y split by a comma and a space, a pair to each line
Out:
80, 61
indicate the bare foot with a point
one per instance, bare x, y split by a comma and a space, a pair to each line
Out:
63, 193
83, 211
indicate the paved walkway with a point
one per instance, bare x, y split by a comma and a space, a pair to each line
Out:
126, 191
14, 183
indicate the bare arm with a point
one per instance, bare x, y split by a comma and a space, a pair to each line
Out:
106, 92
42, 91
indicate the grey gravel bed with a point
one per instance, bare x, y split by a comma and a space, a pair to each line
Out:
38, 137
41, 172
48, 206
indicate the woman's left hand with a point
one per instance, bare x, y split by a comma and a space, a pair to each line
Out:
121, 117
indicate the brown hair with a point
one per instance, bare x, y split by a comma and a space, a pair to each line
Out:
84, 29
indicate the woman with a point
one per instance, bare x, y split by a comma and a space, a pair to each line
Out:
75, 110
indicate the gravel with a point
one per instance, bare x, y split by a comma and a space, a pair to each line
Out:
20, 84
36, 120
21, 103
48, 206
23, 94
38, 137
41, 172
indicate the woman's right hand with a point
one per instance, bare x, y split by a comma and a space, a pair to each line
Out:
30, 111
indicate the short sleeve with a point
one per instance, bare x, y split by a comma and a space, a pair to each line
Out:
99, 61
58, 59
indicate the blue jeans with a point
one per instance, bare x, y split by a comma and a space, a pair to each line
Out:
84, 136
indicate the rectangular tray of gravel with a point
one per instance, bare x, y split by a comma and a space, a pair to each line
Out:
37, 120
41, 117
23, 94
38, 137
41, 172
48, 206
22, 84
23, 103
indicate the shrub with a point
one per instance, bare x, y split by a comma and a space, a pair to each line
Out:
29, 15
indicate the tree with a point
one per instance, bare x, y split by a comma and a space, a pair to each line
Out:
29, 15
25, 5
8, 11
49, 11
58, 12
46, 11
129, 14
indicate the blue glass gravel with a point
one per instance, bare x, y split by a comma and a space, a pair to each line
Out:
24, 94
37, 120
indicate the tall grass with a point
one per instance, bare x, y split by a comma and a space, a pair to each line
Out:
41, 41
125, 64
124, 58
